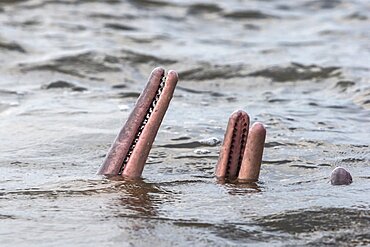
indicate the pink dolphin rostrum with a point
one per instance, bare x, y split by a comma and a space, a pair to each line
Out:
130, 150
242, 149
240, 155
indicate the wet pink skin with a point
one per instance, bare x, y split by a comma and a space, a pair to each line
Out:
240, 156
232, 148
114, 160
252, 159
242, 149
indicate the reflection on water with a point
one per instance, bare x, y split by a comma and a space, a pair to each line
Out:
244, 188
72, 70
139, 197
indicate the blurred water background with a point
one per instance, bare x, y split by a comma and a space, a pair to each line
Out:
71, 71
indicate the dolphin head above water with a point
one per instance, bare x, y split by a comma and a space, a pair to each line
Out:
340, 176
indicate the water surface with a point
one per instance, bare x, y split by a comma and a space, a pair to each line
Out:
72, 70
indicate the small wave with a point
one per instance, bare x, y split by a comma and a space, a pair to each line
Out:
5, 2
141, 58
363, 98
151, 3
80, 64
348, 226
210, 72
119, 86
239, 234
7, 217
9, 98
196, 157
202, 151
353, 160
324, 164
296, 72
63, 84
11, 46
248, 14
343, 85
251, 27
4, 92
274, 144
300, 43
129, 95
195, 144
181, 138
305, 166
278, 100
203, 8
111, 16
209, 142
277, 162
119, 27
311, 220
194, 91
317, 4
51, 193
357, 16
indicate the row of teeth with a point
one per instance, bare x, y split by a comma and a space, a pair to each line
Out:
145, 121
242, 144
231, 151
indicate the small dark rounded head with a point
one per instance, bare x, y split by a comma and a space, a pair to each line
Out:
340, 176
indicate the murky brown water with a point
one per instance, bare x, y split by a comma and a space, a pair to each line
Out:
72, 70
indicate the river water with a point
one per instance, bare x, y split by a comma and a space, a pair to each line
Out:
71, 71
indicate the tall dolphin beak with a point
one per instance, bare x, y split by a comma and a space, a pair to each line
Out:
130, 150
